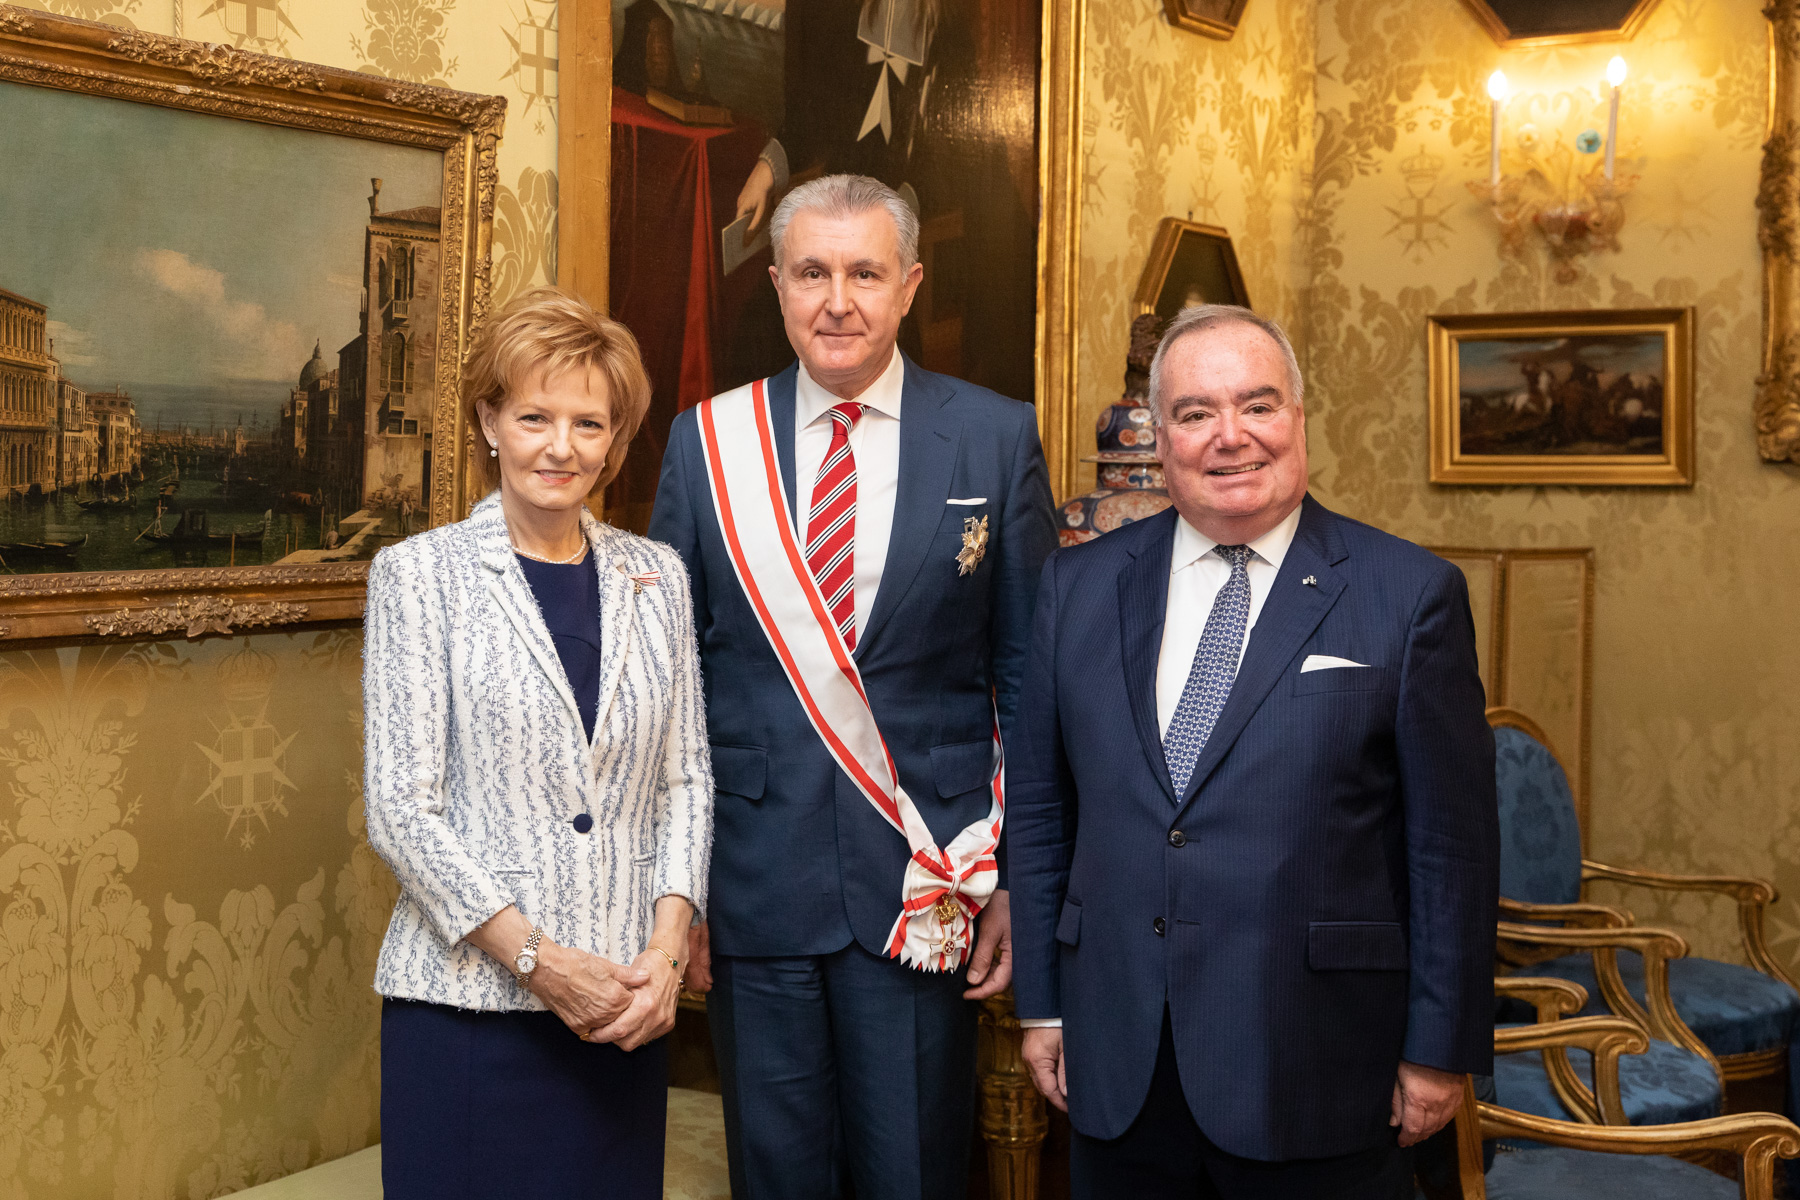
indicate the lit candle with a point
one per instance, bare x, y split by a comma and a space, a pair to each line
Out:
1615, 75
1497, 96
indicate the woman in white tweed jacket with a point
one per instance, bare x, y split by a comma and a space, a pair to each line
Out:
536, 775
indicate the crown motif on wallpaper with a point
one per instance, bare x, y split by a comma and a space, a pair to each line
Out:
1421, 168
246, 676
1206, 149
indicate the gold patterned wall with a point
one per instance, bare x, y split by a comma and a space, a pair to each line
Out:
1176, 124
189, 916
1334, 140
189, 913
1695, 763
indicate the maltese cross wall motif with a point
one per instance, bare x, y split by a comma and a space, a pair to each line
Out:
249, 780
249, 757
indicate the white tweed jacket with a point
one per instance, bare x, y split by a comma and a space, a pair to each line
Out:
476, 763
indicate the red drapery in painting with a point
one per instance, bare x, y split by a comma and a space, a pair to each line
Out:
674, 188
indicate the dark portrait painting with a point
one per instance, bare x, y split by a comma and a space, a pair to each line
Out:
1189, 265
1585, 394
719, 109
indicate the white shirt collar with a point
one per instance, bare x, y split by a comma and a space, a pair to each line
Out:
1191, 545
812, 401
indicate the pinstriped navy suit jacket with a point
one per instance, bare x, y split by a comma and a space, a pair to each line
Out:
1329, 907
801, 861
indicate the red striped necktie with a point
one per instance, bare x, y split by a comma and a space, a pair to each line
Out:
831, 525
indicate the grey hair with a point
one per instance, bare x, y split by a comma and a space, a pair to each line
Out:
1202, 317
846, 196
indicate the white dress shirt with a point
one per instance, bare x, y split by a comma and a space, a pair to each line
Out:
1195, 576
875, 443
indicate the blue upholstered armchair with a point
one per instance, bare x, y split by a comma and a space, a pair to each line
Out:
1663, 1083
1608, 1161
1740, 1019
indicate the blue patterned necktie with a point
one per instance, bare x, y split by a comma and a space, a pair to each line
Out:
1215, 667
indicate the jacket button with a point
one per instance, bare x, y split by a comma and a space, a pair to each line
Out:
1177, 838
583, 823
1158, 926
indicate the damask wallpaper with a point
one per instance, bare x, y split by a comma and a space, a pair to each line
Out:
1695, 766
1334, 140
189, 913
189, 916
1179, 125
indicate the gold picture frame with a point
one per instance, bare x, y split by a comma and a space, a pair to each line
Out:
1608, 21
1188, 264
1777, 406
1209, 18
41, 50
1534, 639
1600, 398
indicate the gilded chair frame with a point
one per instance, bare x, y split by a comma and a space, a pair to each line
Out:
1657, 1016
1753, 898
1756, 1140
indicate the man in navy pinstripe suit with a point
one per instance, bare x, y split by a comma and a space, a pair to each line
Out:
1252, 832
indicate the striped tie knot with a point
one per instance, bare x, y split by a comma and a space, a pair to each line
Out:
831, 522
844, 418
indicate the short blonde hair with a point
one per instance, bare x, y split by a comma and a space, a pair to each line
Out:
553, 331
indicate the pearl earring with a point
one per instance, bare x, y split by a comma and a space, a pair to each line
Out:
493, 453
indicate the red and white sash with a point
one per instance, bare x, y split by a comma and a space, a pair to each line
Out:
942, 889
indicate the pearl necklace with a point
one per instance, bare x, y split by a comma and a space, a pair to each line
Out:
560, 562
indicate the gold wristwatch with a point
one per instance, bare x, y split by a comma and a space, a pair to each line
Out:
526, 962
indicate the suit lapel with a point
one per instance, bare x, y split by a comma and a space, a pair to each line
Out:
1289, 616
506, 583
1143, 605
929, 433
781, 391
619, 625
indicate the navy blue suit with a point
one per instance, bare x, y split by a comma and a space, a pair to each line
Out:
1328, 907
802, 864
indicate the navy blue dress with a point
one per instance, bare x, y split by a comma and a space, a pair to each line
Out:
482, 1104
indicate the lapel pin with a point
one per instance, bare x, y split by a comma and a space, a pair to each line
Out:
642, 579
1311, 581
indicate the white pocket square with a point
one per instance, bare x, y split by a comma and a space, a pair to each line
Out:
1326, 662
972, 500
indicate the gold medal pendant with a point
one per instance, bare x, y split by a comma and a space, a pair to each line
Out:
946, 910
974, 544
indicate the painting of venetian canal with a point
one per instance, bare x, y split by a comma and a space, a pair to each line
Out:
218, 339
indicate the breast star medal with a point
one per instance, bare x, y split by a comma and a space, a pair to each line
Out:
974, 544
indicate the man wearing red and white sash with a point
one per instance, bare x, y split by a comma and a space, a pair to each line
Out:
863, 540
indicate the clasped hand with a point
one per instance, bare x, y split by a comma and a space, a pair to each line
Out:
603, 1001
600, 1000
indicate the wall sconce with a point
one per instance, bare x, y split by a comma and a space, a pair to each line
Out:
1576, 212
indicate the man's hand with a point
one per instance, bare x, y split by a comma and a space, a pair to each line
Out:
754, 198
1425, 1099
993, 949
1043, 1054
699, 959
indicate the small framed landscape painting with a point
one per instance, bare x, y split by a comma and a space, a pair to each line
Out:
1189, 264
1594, 398
235, 293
